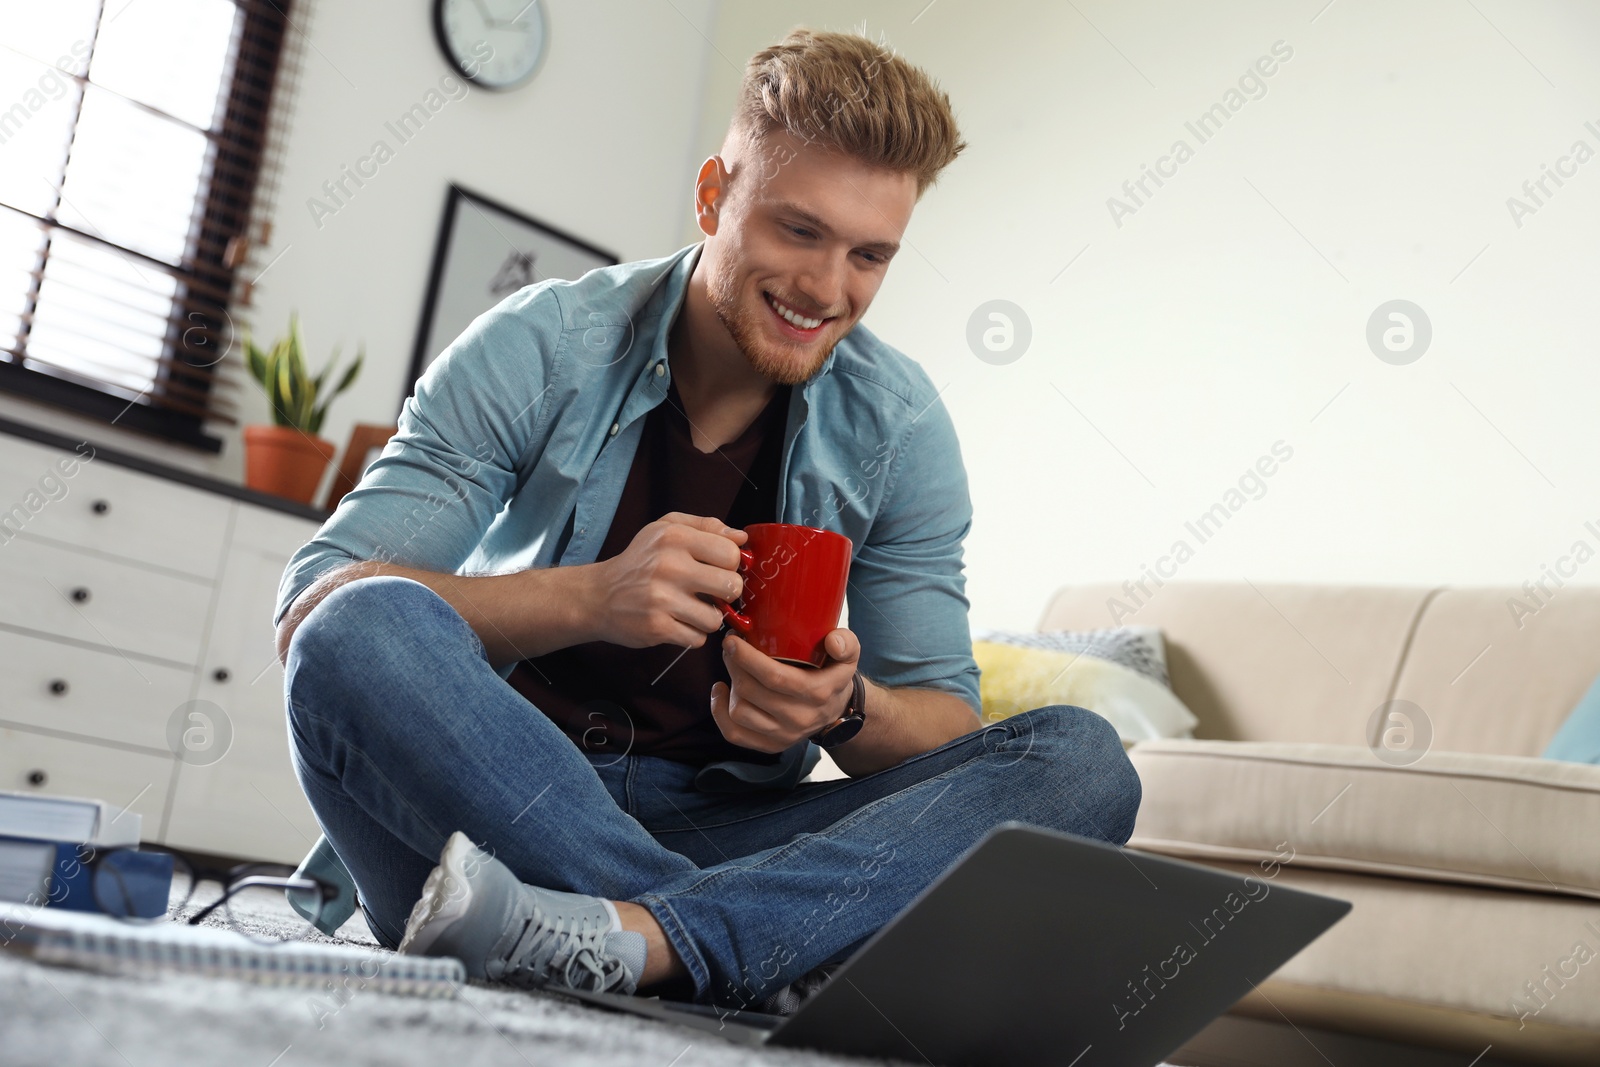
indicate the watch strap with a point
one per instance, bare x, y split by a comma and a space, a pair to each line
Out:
849, 724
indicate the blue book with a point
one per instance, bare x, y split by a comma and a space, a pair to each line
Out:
60, 874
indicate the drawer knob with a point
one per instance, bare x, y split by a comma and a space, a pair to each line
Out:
37, 778
80, 595
221, 674
58, 686
100, 507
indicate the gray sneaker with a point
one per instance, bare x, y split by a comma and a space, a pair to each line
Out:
473, 908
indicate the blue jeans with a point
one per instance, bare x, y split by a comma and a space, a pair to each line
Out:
404, 733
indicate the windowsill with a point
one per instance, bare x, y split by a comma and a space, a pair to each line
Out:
25, 421
226, 465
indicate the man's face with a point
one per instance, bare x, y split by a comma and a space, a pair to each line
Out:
804, 237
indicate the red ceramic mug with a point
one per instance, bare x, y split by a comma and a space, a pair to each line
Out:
794, 585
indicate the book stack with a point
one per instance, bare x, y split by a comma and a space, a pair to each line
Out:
81, 855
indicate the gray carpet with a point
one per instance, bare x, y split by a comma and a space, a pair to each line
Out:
59, 1016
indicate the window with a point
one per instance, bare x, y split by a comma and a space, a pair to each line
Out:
131, 136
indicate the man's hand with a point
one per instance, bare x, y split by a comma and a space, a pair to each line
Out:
772, 705
652, 592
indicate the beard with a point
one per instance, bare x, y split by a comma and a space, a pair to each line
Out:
773, 361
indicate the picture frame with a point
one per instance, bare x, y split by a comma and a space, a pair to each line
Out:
484, 252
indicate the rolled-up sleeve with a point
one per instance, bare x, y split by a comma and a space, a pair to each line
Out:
907, 593
427, 501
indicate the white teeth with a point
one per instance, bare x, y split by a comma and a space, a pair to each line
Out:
793, 317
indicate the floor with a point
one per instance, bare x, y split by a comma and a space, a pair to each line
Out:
54, 1015
1237, 1042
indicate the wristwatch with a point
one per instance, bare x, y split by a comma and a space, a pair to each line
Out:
850, 723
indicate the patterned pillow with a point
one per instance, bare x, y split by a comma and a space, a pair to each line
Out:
1118, 674
1139, 648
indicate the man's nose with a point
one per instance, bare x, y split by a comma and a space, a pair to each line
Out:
822, 282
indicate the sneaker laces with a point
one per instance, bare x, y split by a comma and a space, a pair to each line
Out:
576, 960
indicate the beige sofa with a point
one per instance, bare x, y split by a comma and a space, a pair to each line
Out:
1474, 866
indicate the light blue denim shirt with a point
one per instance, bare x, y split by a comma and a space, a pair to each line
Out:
514, 449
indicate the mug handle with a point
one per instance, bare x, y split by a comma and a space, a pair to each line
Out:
735, 619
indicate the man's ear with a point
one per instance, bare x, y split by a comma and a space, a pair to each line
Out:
710, 192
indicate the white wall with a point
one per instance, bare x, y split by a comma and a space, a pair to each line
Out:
1211, 324
1229, 311
598, 144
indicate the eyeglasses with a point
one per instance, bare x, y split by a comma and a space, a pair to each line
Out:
266, 902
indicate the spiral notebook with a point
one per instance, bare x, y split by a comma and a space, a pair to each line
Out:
99, 943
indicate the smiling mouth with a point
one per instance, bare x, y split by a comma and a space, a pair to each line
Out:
804, 325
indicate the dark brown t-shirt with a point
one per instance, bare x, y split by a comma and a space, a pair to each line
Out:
657, 701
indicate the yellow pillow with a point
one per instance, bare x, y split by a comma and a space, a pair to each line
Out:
1015, 679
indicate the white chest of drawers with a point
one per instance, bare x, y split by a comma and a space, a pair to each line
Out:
130, 603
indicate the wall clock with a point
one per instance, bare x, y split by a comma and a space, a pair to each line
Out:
496, 44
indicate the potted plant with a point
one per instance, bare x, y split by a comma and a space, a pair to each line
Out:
288, 457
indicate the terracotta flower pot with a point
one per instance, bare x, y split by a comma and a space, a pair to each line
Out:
285, 462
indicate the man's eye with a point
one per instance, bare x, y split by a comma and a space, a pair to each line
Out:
799, 231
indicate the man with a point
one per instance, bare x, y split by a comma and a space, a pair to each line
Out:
502, 650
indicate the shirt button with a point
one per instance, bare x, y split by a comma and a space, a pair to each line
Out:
661, 368
615, 426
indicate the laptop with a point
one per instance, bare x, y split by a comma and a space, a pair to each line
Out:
1039, 947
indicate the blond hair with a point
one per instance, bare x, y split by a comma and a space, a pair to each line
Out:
847, 93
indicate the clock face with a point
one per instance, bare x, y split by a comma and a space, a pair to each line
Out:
493, 43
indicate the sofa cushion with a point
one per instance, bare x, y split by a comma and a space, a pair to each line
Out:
1446, 966
1507, 821
1265, 662
1494, 675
